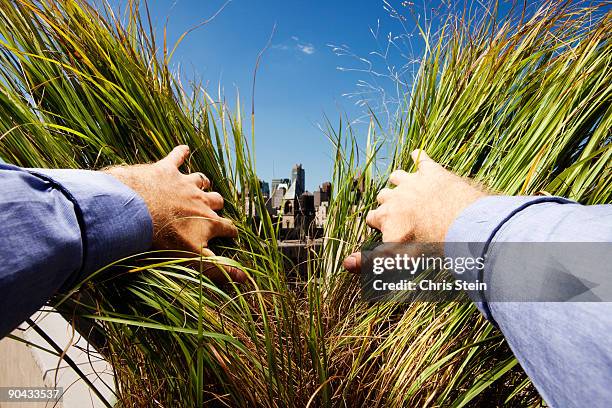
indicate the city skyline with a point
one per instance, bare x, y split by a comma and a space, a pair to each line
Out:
272, 184
300, 214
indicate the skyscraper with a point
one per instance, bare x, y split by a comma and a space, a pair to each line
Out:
298, 177
265, 188
322, 194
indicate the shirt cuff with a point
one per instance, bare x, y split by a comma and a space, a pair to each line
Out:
472, 232
115, 221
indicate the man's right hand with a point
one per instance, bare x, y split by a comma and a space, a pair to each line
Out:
183, 214
422, 206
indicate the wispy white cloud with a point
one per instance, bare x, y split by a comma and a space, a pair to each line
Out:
304, 47
282, 47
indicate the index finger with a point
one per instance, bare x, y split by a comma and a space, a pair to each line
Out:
214, 270
177, 156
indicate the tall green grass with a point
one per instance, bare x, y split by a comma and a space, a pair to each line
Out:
523, 106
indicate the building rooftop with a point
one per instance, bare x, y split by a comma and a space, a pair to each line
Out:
282, 185
290, 194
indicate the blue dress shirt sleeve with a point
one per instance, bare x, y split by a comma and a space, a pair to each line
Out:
56, 228
564, 347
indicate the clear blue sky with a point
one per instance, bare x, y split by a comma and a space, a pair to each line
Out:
298, 80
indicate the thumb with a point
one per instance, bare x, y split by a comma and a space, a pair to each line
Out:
352, 263
177, 156
422, 160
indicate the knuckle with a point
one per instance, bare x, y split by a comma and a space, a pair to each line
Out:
228, 224
383, 195
372, 217
227, 227
382, 211
217, 198
214, 199
397, 176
